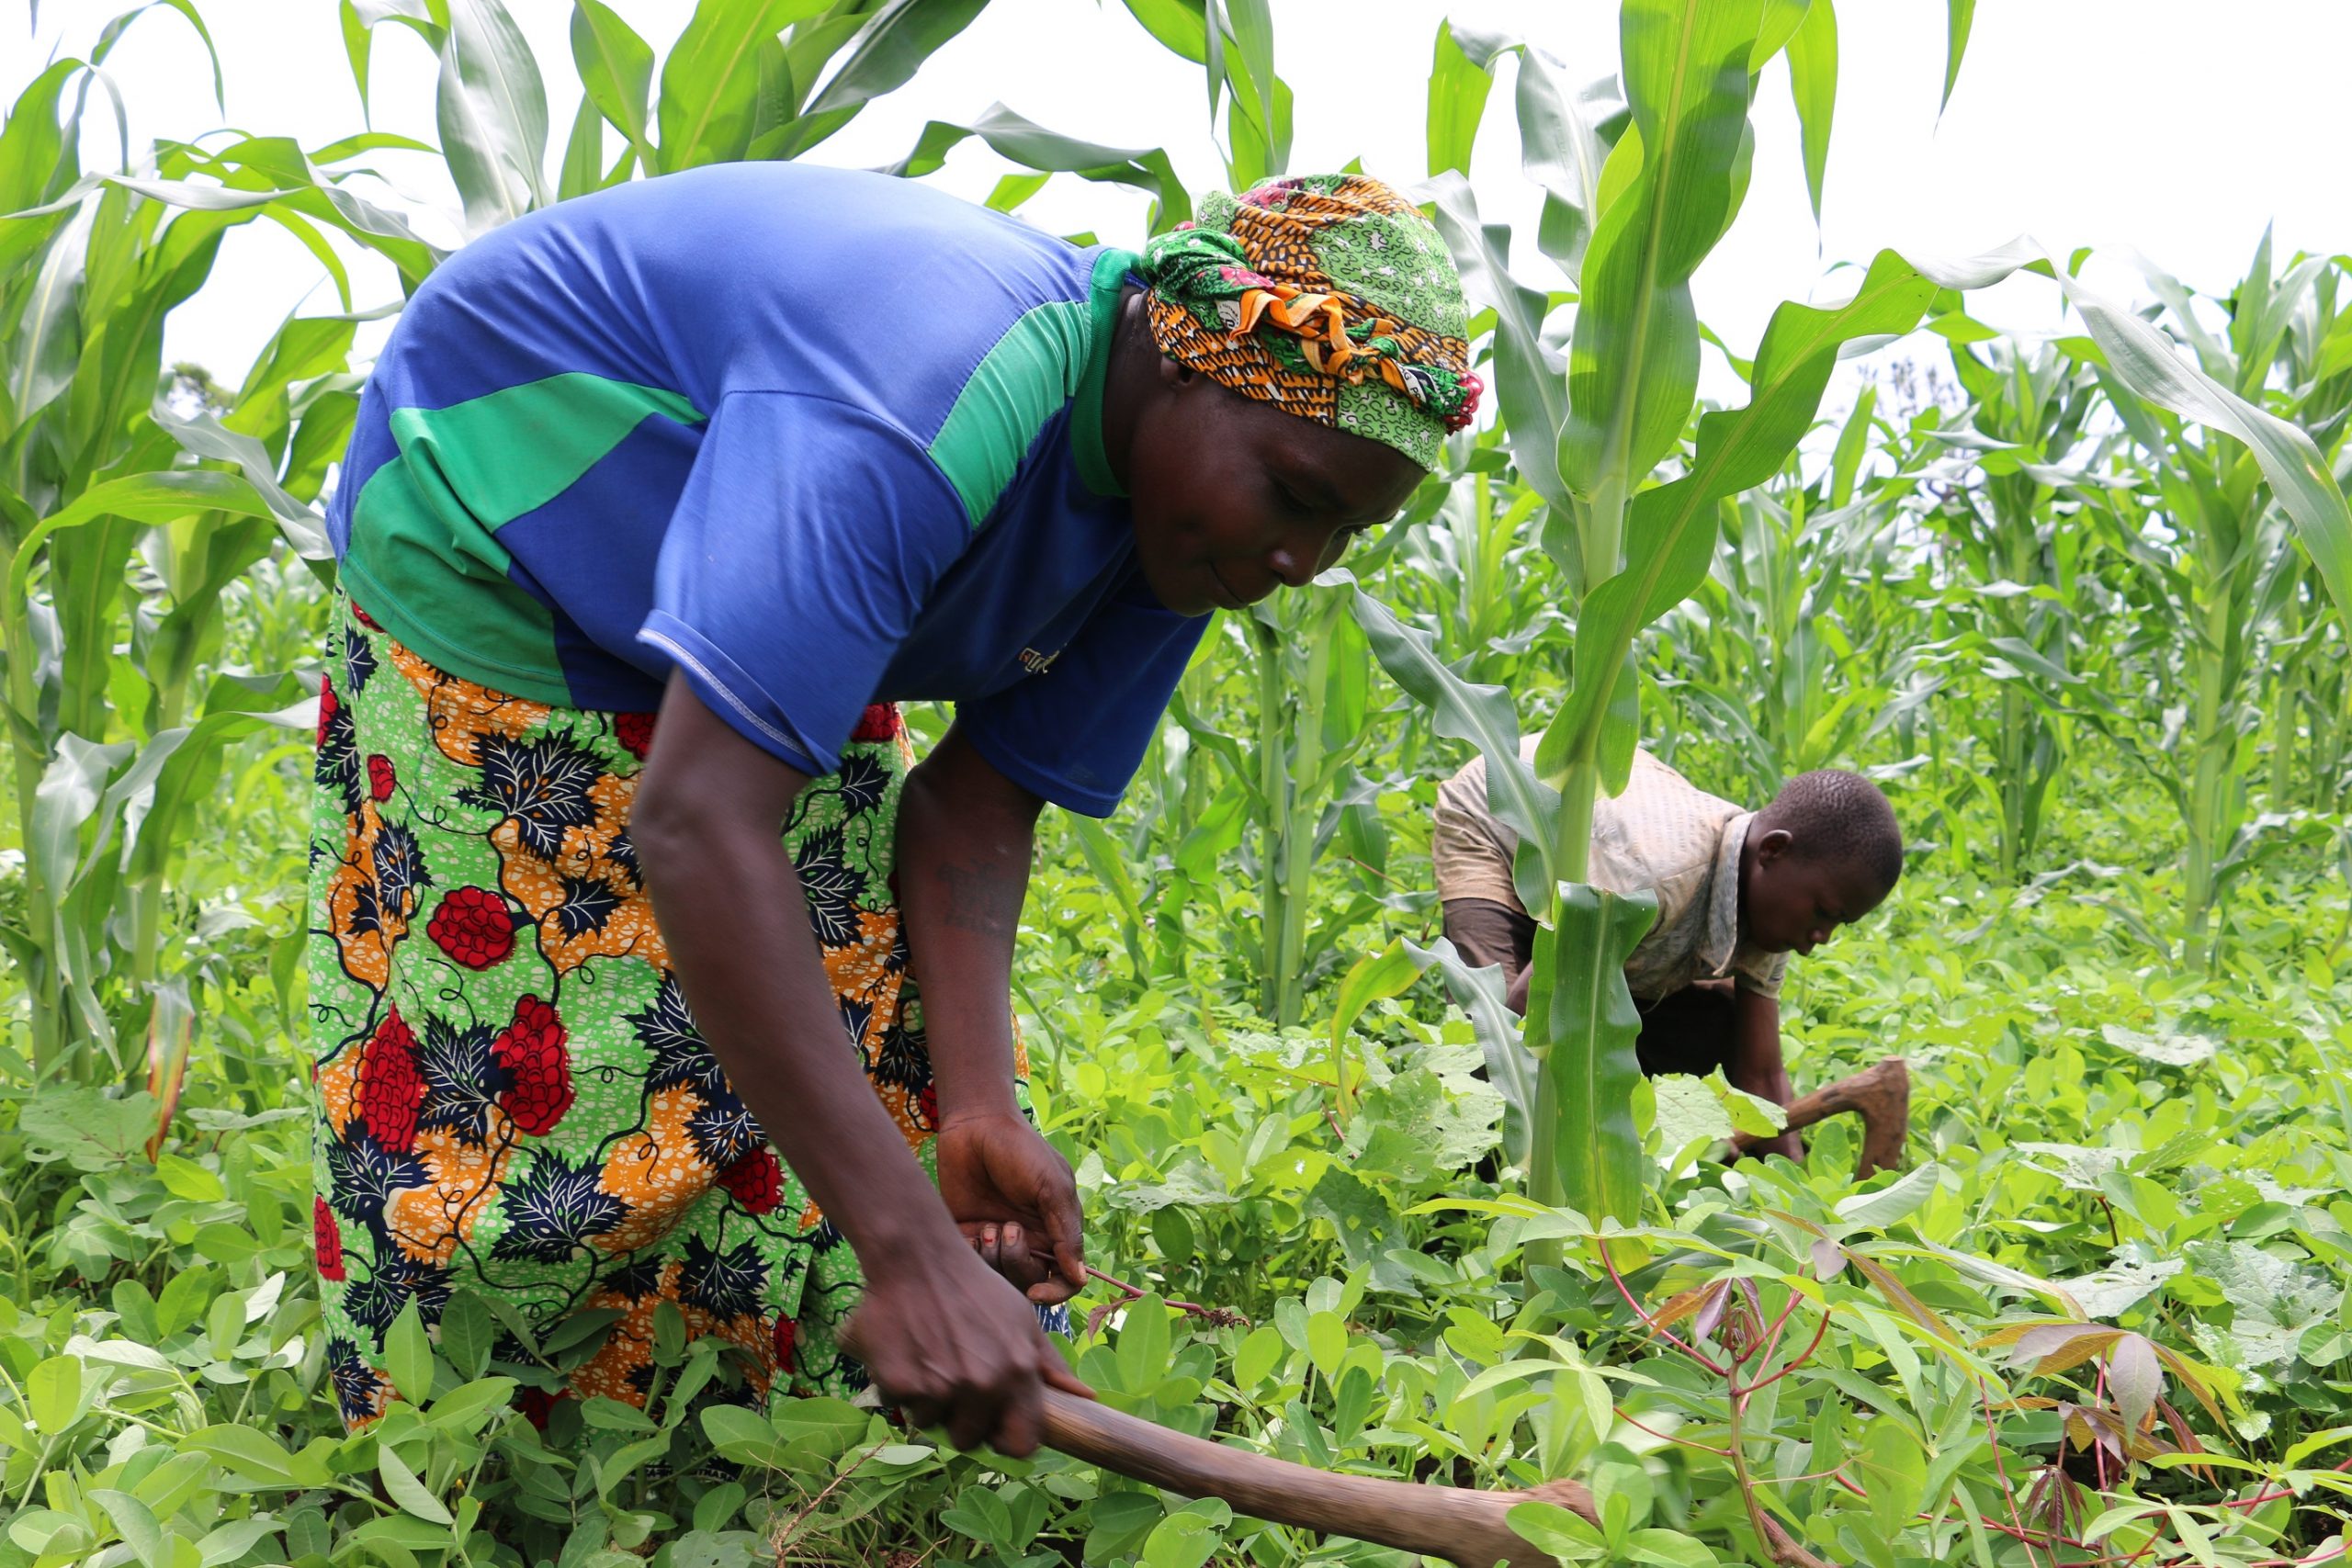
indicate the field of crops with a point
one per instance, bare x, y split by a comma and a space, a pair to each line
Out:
2075, 601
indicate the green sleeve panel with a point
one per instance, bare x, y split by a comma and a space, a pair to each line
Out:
425, 553
1033, 369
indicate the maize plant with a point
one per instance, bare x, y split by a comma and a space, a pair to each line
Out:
2013, 532
1630, 221
2218, 572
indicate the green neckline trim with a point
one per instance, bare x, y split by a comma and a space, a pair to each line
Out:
1087, 450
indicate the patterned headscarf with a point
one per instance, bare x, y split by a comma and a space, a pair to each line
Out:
1328, 296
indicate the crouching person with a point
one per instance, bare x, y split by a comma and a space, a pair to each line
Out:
1737, 891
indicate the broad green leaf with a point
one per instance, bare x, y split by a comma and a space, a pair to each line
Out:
408, 1356
1634, 362
1528, 383
136, 1523
1180, 26
407, 1493
1812, 81
1896, 1473
1590, 1030
1387, 973
887, 53
616, 70
1672, 527
53, 1393
1142, 1347
492, 112
1897, 1201
1510, 1067
1028, 143
1959, 15
710, 82
1457, 102
1461, 711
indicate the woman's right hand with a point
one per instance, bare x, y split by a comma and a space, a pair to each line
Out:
951, 1343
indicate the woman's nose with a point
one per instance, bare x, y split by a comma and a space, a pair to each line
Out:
1293, 566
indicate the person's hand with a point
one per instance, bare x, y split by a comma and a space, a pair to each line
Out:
950, 1344
1014, 1201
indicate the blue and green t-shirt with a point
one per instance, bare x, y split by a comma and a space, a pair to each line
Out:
817, 438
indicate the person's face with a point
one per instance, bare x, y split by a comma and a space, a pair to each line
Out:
1234, 498
1792, 903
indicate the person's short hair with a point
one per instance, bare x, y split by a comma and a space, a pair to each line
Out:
1834, 815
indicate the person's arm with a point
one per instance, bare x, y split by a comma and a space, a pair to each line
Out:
1756, 1066
965, 836
940, 1334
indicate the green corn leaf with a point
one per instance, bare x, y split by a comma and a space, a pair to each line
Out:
1812, 81
2145, 361
1959, 15
616, 70
1527, 381
1671, 528
1481, 715
1457, 101
1590, 1067
1510, 1067
1180, 26
584, 154
1387, 973
1028, 143
885, 56
492, 112
1634, 362
710, 83
1563, 143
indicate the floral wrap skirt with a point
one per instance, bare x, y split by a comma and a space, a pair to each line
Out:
511, 1095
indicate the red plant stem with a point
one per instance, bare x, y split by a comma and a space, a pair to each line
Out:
1771, 1340
1133, 1292
2000, 1466
1650, 1323
1669, 1436
1795, 1362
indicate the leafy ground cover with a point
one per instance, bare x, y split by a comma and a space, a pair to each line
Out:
2095, 659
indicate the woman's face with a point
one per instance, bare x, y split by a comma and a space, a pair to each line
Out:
1234, 498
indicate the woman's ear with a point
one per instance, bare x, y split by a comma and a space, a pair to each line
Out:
1175, 374
1773, 845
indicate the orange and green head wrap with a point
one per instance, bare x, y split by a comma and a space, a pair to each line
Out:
1328, 296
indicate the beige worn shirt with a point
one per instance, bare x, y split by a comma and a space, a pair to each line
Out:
1663, 836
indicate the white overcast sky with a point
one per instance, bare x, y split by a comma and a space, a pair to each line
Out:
2176, 128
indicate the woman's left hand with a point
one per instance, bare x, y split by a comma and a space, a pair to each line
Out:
1015, 1199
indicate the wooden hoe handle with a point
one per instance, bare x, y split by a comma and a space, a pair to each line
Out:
1452, 1522
1882, 1097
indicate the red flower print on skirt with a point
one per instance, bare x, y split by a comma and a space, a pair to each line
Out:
787, 1331
381, 777
328, 1240
536, 1403
328, 704
755, 1180
879, 722
532, 1051
392, 1089
635, 731
472, 926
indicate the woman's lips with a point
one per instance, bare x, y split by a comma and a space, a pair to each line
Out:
1233, 601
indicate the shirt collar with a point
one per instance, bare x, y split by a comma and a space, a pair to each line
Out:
1111, 268
1719, 942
